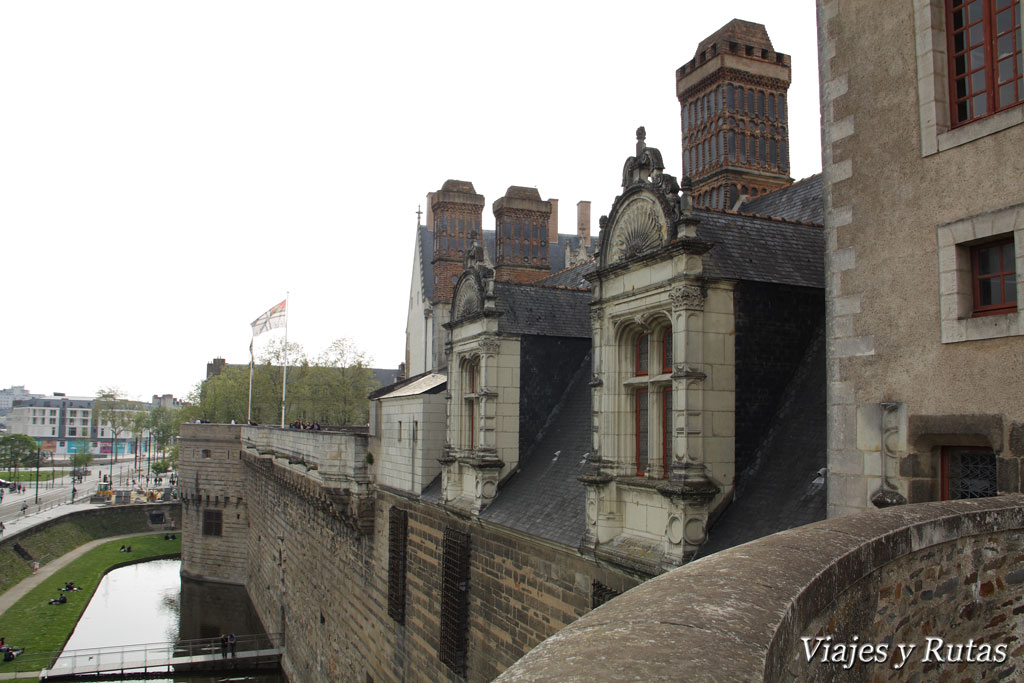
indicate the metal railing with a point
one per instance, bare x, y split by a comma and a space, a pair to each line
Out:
145, 657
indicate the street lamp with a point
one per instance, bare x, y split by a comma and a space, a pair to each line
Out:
37, 474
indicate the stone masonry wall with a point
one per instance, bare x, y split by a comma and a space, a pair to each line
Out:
325, 586
211, 479
940, 600
877, 579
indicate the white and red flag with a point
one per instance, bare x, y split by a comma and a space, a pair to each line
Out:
272, 319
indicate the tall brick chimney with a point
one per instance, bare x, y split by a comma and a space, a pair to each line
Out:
521, 220
553, 223
430, 211
583, 222
456, 212
732, 99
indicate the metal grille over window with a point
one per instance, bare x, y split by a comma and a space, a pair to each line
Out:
398, 524
454, 599
970, 473
212, 522
600, 594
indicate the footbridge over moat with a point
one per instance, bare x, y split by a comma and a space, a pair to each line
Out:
202, 656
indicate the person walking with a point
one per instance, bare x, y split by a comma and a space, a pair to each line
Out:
223, 646
2, 528
24, 509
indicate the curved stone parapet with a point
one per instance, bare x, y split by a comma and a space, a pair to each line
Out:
946, 578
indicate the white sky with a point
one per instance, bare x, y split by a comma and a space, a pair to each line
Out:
169, 170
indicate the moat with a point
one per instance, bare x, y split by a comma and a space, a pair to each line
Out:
151, 602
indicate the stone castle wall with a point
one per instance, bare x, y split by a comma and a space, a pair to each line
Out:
313, 572
211, 479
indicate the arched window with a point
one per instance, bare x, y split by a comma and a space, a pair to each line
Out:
730, 97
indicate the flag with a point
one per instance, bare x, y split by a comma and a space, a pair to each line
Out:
270, 320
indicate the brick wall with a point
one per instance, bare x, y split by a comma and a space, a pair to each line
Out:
774, 324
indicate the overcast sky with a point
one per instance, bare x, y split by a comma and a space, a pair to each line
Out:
168, 171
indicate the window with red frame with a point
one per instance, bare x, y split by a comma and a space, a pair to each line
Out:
967, 473
666, 351
666, 436
642, 460
986, 66
642, 354
994, 273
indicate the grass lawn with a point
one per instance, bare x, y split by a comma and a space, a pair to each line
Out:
30, 475
37, 626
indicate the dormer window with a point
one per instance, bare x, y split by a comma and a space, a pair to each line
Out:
651, 398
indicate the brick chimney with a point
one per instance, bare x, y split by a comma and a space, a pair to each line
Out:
456, 211
553, 223
521, 220
430, 211
583, 222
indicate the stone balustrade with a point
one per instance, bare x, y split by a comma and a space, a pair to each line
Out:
907, 593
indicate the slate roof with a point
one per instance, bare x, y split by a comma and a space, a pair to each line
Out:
781, 489
544, 497
384, 376
574, 277
802, 201
762, 250
543, 311
556, 253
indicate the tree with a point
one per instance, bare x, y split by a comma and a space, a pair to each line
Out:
79, 461
164, 424
118, 414
331, 388
140, 423
17, 450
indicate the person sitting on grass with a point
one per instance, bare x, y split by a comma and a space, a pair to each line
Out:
122, 549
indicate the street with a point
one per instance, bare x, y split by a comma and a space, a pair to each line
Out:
58, 491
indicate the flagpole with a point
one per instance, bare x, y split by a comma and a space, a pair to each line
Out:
252, 362
284, 380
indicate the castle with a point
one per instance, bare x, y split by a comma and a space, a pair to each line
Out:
568, 435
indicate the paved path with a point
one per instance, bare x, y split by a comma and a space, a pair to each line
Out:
18, 591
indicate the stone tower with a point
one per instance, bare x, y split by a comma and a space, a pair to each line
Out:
521, 240
457, 212
732, 97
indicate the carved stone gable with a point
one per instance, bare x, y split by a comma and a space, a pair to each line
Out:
468, 300
639, 227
